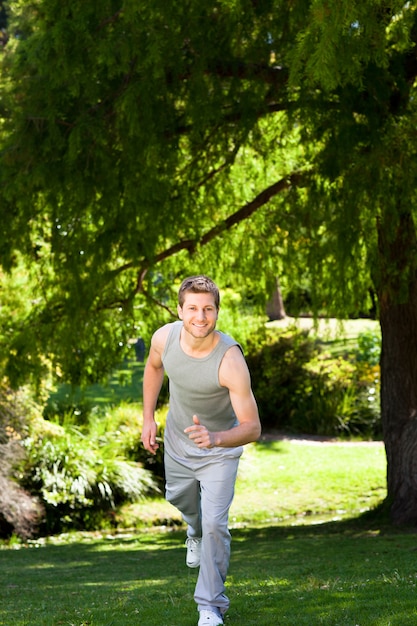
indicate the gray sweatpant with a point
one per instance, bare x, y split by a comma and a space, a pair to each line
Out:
204, 494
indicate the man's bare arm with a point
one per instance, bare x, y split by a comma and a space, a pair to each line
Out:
234, 375
153, 378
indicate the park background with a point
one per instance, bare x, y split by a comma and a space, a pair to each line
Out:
272, 146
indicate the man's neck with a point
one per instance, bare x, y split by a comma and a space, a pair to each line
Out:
198, 347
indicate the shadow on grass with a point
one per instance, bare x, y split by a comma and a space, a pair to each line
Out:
342, 573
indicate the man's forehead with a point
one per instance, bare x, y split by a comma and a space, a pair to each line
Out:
199, 298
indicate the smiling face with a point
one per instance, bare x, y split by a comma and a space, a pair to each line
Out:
198, 314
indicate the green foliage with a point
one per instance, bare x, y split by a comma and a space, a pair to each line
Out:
20, 290
240, 316
171, 159
154, 152
153, 462
128, 173
301, 388
369, 347
82, 474
277, 370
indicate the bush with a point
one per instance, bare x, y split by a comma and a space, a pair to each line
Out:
83, 473
301, 388
241, 320
153, 462
367, 383
278, 375
20, 512
369, 348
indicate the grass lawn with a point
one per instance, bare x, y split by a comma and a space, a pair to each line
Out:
332, 574
124, 384
293, 481
302, 554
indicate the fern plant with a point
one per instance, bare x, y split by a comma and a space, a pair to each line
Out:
83, 474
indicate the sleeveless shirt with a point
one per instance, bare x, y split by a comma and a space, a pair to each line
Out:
194, 389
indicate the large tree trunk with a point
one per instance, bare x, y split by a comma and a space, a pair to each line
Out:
397, 295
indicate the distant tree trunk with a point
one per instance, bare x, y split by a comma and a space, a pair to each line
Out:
397, 295
275, 307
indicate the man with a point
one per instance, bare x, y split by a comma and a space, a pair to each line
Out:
212, 414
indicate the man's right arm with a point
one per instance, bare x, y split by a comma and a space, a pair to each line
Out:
153, 378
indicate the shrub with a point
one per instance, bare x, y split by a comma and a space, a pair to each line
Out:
369, 347
278, 375
129, 418
323, 396
82, 474
153, 462
20, 512
241, 320
301, 388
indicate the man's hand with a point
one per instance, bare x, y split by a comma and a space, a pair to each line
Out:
198, 433
148, 437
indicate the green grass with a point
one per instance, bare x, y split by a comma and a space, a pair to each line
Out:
302, 554
329, 329
283, 480
124, 384
294, 481
336, 336
333, 574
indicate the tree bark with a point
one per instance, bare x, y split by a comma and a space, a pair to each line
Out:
397, 296
275, 309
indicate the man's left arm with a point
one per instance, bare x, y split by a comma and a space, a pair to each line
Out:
234, 375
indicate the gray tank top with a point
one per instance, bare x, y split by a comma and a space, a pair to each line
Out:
194, 389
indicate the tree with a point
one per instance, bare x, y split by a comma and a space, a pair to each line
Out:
143, 141
368, 161
120, 164
275, 307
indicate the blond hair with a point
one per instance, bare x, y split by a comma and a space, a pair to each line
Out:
198, 284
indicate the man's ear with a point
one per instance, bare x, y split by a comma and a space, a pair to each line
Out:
179, 311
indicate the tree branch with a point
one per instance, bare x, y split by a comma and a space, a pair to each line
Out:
295, 179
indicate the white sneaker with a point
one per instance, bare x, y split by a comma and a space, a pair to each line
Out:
193, 551
208, 618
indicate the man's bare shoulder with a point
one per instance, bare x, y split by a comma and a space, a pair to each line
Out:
160, 337
234, 374
234, 353
233, 363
